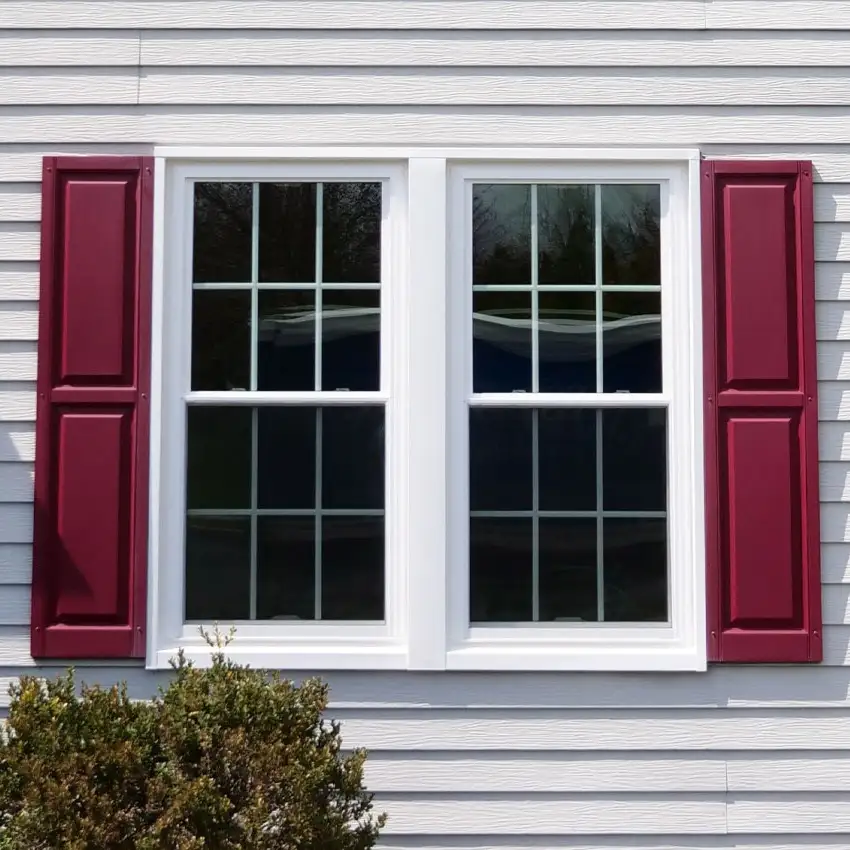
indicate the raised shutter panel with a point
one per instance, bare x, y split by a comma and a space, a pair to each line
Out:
762, 513
91, 465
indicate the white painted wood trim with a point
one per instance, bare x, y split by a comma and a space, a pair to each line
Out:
681, 644
279, 645
426, 491
403, 152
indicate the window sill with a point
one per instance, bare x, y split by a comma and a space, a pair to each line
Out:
650, 656
647, 653
290, 656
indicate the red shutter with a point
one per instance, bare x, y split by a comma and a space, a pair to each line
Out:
91, 465
761, 412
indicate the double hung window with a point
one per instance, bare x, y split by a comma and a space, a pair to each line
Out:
430, 411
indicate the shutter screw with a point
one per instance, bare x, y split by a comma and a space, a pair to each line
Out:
144, 395
816, 633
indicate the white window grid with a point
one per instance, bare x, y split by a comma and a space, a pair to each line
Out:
330, 397
659, 400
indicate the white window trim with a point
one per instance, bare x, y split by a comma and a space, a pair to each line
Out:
680, 644
278, 644
426, 604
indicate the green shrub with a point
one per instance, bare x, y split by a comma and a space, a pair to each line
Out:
225, 758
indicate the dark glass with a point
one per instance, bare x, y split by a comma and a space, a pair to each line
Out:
501, 234
634, 452
351, 339
631, 342
635, 570
352, 457
500, 460
221, 339
221, 242
219, 458
351, 233
353, 568
566, 223
567, 342
218, 568
501, 344
500, 570
287, 250
568, 569
286, 338
567, 459
286, 454
631, 235
286, 568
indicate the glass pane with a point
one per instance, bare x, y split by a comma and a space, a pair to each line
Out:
286, 568
286, 354
500, 570
634, 452
567, 459
352, 457
351, 339
567, 342
218, 568
287, 233
221, 340
501, 347
219, 458
221, 250
566, 234
631, 235
501, 234
286, 455
568, 569
351, 235
631, 341
353, 568
500, 459
635, 570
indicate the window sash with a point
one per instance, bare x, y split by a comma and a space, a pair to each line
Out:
380, 642
501, 646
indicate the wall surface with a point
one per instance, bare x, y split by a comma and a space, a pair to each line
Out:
745, 758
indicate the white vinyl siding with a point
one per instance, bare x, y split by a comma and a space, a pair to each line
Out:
738, 757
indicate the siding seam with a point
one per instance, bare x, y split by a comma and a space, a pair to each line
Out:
139, 68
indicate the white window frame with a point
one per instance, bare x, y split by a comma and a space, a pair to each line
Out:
424, 310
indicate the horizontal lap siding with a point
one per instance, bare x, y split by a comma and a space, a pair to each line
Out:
756, 759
